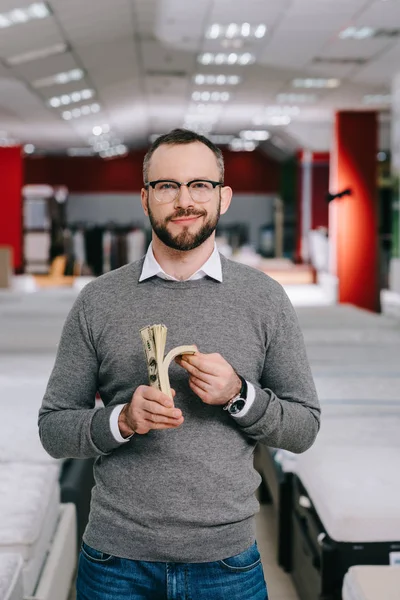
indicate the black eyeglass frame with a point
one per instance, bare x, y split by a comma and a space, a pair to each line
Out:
179, 184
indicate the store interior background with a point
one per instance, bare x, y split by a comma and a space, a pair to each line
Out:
303, 97
81, 97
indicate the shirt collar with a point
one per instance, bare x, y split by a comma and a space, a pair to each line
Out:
212, 268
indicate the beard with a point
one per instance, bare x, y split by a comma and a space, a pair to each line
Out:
185, 240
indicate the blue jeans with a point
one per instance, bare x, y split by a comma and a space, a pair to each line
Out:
106, 577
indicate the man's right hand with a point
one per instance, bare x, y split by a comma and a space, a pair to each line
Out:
149, 409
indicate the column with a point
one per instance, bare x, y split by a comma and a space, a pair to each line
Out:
353, 219
394, 277
312, 207
11, 175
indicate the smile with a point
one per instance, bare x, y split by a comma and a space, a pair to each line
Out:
186, 220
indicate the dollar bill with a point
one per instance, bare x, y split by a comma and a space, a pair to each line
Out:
147, 335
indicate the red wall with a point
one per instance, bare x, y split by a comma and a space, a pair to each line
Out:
356, 219
244, 171
10, 202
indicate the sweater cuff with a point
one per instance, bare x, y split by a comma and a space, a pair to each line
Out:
100, 430
256, 411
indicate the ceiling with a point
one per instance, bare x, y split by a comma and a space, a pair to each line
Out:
140, 57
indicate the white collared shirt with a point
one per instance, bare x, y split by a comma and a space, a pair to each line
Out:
211, 268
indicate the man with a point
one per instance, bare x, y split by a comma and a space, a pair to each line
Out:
172, 513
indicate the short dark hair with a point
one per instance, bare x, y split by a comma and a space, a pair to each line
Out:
182, 136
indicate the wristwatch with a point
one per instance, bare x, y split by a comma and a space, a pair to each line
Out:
237, 403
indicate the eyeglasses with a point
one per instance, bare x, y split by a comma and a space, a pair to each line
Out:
166, 190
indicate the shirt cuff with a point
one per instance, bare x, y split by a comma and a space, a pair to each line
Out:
251, 396
114, 424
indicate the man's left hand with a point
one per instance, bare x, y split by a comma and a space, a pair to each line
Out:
212, 378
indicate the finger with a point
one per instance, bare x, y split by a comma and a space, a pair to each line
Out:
200, 383
197, 372
198, 391
154, 395
206, 363
152, 419
158, 409
164, 425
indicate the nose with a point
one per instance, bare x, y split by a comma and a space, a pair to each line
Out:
184, 199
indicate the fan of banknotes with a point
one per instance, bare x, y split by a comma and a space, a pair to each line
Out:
154, 338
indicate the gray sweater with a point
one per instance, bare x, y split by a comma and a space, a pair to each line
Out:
183, 495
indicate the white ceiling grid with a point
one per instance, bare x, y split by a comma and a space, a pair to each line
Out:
140, 57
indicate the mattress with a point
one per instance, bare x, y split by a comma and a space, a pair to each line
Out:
19, 406
351, 430
355, 490
29, 508
11, 584
372, 583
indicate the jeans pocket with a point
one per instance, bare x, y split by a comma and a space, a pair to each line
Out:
245, 561
94, 555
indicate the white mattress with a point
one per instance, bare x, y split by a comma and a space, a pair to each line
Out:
19, 434
372, 583
355, 490
349, 430
29, 509
11, 584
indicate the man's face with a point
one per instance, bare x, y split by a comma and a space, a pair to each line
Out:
184, 162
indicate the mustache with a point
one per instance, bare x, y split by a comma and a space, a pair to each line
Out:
181, 214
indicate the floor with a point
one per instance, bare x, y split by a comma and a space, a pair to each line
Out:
279, 584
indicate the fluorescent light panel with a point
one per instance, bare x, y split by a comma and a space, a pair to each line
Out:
72, 98
222, 58
201, 79
19, 16
210, 96
19, 59
236, 30
357, 33
316, 83
59, 78
82, 111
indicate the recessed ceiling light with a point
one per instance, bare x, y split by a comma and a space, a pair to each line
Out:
29, 148
72, 98
217, 79
19, 59
236, 30
210, 96
221, 58
240, 145
255, 136
316, 83
357, 33
82, 111
59, 78
18, 16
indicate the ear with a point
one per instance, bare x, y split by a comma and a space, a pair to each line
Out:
143, 199
226, 198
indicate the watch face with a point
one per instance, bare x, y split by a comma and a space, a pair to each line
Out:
237, 406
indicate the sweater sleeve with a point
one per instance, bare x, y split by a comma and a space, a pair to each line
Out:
286, 411
69, 424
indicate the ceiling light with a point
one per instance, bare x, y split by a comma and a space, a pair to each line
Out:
263, 120
97, 130
377, 99
316, 83
296, 98
357, 33
59, 78
19, 59
29, 148
221, 58
236, 30
17, 16
239, 145
84, 110
255, 136
210, 96
72, 98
